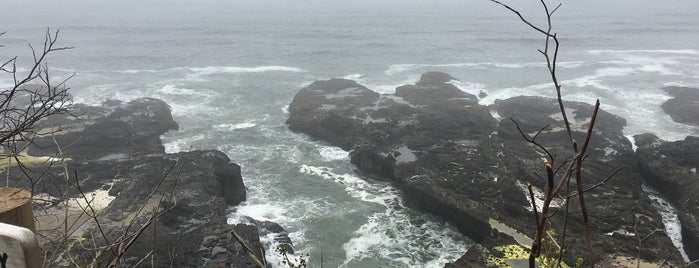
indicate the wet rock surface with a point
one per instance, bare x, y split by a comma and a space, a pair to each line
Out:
684, 105
116, 148
671, 168
468, 163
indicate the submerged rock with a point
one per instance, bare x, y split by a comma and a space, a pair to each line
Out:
452, 157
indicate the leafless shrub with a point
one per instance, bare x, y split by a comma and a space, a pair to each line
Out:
558, 175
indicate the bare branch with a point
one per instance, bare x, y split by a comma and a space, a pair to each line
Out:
248, 251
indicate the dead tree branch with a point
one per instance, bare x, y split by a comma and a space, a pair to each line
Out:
555, 183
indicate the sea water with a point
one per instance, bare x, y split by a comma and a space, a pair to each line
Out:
229, 70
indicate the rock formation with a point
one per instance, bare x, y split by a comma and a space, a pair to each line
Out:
468, 163
684, 105
115, 152
671, 167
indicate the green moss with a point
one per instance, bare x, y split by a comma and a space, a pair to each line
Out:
517, 255
508, 254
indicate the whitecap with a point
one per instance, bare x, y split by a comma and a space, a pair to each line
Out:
133, 71
244, 125
663, 51
400, 68
211, 70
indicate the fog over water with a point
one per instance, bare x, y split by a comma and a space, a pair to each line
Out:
230, 68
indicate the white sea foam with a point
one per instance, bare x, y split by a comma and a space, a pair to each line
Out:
132, 71
668, 213
182, 92
628, 84
331, 153
390, 88
468, 87
377, 87
355, 186
633, 142
230, 127
359, 78
262, 212
538, 197
506, 93
679, 84
182, 144
101, 92
646, 51
197, 73
269, 211
389, 233
648, 63
400, 68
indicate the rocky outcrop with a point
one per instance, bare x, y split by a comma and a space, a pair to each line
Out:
115, 128
461, 160
684, 105
115, 152
671, 167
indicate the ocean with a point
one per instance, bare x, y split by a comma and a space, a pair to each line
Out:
229, 70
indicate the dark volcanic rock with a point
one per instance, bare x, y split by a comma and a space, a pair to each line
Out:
114, 129
452, 158
684, 105
671, 167
187, 187
323, 102
117, 148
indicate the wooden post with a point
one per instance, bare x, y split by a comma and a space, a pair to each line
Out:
16, 208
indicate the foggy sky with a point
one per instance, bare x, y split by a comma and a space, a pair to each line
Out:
135, 12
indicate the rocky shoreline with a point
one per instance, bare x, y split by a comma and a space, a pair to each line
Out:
448, 154
468, 163
115, 154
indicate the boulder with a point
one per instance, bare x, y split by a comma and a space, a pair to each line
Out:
451, 157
